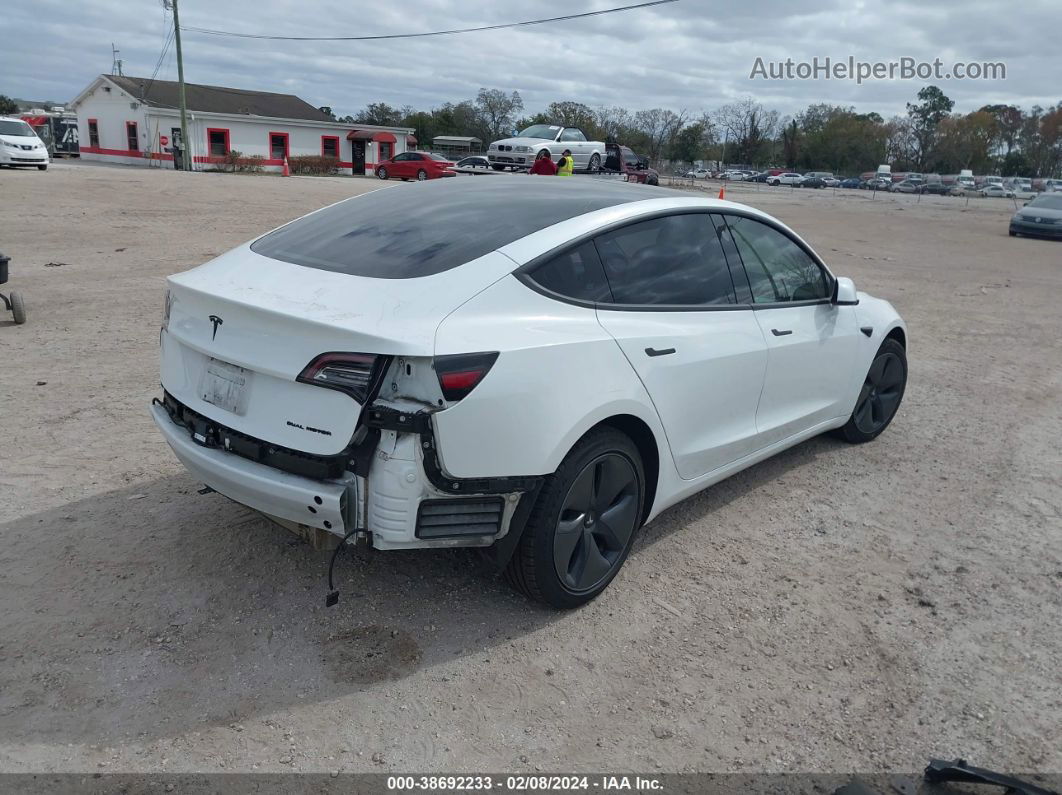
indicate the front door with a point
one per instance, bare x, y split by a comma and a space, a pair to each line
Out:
700, 354
357, 156
812, 343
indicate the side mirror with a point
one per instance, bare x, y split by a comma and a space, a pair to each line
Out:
844, 292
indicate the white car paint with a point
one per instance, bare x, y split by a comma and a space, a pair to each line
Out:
20, 146
732, 393
788, 178
520, 151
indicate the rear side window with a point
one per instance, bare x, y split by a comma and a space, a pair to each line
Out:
675, 260
576, 274
779, 270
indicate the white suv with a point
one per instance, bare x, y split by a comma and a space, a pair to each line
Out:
788, 178
595, 354
20, 146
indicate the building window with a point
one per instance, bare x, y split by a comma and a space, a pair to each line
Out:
132, 140
386, 150
278, 145
94, 133
217, 142
330, 146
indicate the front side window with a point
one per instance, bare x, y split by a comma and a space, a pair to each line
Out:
674, 260
779, 271
576, 273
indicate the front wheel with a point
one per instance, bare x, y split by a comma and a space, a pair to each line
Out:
595, 163
583, 523
43, 168
880, 396
381, 173
422, 175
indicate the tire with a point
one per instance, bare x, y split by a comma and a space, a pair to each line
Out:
1012, 233
594, 165
381, 173
566, 570
776, 183
422, 175
653, 181
18, 308
498, 168
880, 396
43, 168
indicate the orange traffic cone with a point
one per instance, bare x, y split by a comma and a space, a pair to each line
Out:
722, 191
286, 172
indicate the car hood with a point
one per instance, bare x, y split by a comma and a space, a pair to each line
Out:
21, 140
524, 142
1040, 212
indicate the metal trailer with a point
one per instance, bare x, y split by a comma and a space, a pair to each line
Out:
57, 130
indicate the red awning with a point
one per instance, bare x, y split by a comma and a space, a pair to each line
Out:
371, 135
411, 140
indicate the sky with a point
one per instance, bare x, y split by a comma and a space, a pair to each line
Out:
690, 55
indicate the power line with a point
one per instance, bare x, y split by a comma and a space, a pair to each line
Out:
564, 18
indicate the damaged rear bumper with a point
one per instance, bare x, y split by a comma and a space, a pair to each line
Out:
316, 503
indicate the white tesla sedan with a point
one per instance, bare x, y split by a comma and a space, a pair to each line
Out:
538, 367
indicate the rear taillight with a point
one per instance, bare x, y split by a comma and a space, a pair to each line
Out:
460, 373
348, 372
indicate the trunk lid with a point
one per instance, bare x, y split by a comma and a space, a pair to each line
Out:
242, 327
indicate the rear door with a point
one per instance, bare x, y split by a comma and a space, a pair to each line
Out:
812, 343
699, 353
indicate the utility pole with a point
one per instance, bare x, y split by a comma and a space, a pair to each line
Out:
186, 155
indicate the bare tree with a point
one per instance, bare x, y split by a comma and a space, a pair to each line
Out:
498, 111
750, 128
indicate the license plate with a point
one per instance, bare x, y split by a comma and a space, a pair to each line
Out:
224, 385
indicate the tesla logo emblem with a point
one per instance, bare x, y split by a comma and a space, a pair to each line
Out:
216, 321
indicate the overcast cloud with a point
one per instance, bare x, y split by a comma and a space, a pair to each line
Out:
692, 54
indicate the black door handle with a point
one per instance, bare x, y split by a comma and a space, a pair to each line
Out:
781, 332
661, 352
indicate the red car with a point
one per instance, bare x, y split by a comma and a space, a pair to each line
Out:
415, 165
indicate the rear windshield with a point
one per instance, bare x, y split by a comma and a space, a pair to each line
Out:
425, 228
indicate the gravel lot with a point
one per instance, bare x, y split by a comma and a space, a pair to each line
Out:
836, 608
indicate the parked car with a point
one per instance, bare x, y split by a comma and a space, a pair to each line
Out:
698, 173
735, 175
811, 182
1052, 185
553, 139
635, 168
826, 177
473, 161
20, 146
906, 186
387, 384
785, 178
851, 182
938, 188
1041, 217
415, 165
877, 183
993, 190
763, 176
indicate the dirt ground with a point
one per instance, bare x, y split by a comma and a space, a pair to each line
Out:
836, 608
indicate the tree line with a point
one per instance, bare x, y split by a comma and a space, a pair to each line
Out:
928, 138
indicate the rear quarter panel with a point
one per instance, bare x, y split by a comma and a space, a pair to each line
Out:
558, 374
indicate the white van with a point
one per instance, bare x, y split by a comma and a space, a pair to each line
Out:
20, 146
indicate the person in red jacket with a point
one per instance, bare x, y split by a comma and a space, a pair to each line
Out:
543, 165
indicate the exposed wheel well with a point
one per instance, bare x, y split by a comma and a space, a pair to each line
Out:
898, 335
642, 436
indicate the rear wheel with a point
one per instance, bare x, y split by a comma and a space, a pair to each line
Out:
43, 168
880, 396
422, 175
18, 308
381, 172
498, 168
583, 523
595, 163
